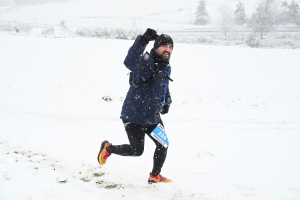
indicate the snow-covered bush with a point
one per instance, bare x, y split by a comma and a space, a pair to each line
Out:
279, 41
294, 36
133, 33
84, 32
120, 34
101, 32
6, 27
252, 41
109, 33
204, 40
56, 32
16, 27
286, 43
215, 37
48, 31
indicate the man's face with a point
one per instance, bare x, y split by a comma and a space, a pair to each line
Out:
165, 51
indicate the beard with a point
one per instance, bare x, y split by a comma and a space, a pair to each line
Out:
165, 56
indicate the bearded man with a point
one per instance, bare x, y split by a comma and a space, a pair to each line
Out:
148, 97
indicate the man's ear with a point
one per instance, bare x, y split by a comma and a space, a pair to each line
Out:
156, 51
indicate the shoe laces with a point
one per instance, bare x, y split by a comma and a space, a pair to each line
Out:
159, 177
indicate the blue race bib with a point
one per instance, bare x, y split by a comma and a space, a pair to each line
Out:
160, 135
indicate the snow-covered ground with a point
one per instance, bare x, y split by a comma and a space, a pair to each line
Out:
233, 127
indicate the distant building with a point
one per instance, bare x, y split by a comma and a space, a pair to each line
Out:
7, 2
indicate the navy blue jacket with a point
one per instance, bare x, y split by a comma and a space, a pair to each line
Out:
144, 102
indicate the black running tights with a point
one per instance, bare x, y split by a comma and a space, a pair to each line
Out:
136, 135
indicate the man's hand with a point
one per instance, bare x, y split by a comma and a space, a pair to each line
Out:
165, 109
150, 35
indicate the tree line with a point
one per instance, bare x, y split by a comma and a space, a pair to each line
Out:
268, 15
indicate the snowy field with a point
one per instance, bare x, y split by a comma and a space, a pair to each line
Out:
233, 127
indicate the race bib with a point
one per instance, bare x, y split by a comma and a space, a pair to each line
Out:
160, 135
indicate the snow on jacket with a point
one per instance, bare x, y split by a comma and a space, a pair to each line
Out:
144, 102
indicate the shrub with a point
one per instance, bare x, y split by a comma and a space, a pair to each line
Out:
252, 41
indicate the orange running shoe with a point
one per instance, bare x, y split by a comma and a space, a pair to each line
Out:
103, 153
157, 179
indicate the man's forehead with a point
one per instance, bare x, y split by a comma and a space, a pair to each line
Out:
167, 45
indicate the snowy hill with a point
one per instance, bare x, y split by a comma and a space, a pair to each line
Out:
117, 19
117, 14
233, 125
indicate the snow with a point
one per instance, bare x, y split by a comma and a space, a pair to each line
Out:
233, 126
168, 14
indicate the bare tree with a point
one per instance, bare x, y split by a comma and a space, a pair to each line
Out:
226, 19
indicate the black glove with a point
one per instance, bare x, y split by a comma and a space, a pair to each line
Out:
165, 109
150, 35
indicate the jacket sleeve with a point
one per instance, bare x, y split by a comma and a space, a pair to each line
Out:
137, 62
168, 95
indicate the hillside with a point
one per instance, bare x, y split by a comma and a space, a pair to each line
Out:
116, 13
